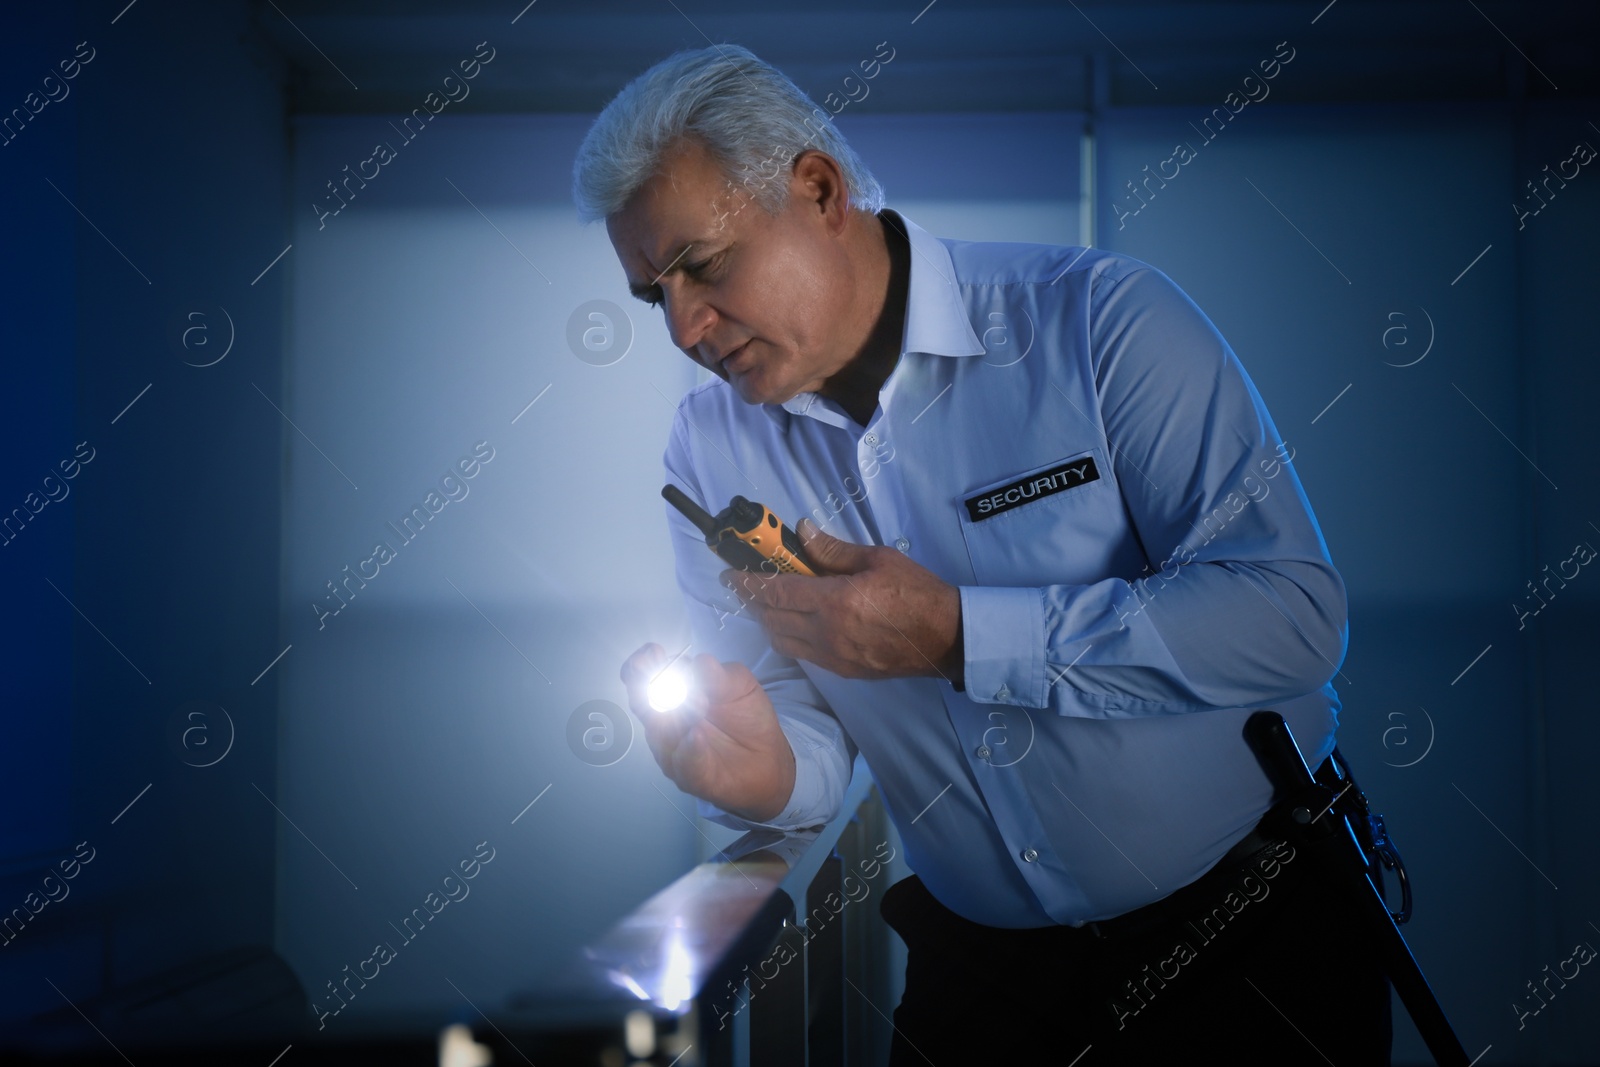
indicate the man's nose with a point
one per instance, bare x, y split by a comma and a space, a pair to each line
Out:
688, 319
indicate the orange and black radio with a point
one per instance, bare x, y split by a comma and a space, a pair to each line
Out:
747, 535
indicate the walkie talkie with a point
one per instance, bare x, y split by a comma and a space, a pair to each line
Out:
747, 535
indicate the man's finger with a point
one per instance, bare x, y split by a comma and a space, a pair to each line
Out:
833, 555
640, 667
781, 622
796, 647
749, 585
716, 682
665, 729
768, 591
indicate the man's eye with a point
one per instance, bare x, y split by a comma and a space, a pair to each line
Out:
705, 270
704, 267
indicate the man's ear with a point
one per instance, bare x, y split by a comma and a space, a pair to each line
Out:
819, 182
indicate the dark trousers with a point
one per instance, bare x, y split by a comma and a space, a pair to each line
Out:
1273, 974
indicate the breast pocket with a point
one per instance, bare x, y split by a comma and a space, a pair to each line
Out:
1043, 526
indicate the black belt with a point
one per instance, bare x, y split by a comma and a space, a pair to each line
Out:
1197, 896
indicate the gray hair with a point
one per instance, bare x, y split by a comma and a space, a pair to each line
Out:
749, 116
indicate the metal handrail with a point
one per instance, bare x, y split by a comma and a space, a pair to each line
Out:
770, 952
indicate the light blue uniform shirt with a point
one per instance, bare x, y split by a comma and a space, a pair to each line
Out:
1068, 439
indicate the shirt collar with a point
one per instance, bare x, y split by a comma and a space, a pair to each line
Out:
936, 316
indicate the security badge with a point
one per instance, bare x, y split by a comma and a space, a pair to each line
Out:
1057, 479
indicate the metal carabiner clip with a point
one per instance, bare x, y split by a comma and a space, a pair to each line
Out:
1389, 857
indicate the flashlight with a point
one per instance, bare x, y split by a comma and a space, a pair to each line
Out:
747, 535
669, 689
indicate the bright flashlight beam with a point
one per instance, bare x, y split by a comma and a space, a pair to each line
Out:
669, 689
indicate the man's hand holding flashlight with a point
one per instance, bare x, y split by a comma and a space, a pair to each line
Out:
873, 613
713, 731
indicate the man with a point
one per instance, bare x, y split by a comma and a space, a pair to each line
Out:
1067, 558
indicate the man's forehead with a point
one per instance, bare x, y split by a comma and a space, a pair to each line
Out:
656, 243
675, 209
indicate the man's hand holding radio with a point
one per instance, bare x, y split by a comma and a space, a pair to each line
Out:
873, 612
724, 744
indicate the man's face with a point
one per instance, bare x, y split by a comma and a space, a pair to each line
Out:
762, 301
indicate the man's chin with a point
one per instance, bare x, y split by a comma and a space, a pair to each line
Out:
753, 389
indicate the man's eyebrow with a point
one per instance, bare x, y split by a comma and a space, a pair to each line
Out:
643, 291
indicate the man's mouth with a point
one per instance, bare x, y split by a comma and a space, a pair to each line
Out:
737, 360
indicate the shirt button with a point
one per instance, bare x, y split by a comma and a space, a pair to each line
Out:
903, 544
1003, 692
1029, 855
871, 438
982, 752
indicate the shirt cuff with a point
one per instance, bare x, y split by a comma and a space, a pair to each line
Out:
1002, 634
